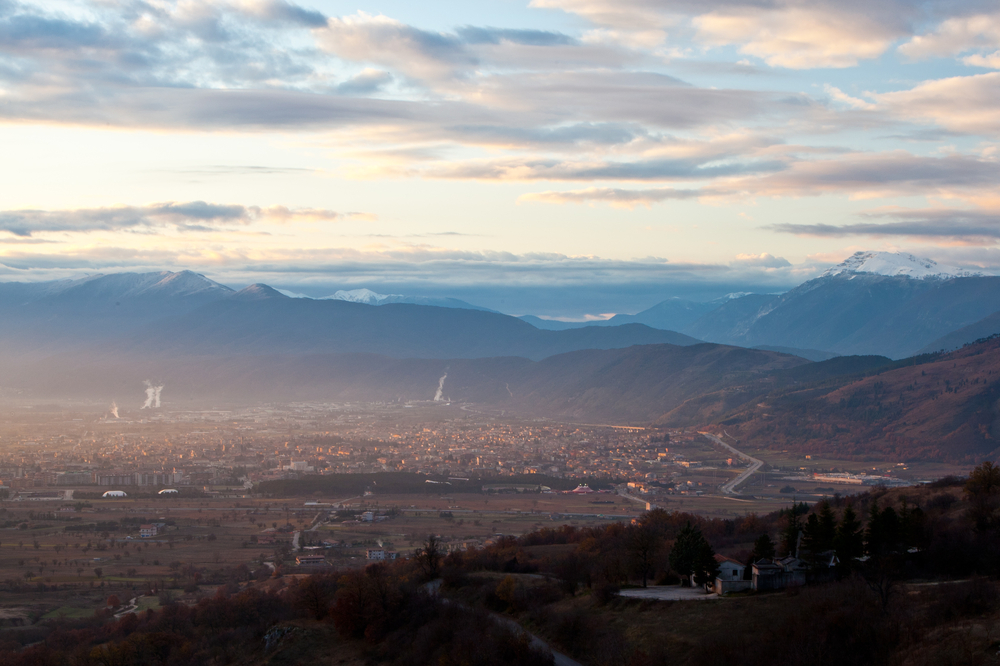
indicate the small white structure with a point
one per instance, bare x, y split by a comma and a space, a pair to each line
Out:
114, 493
368, 516
380, 555
168, 491
730, 578
311, 561
146, 531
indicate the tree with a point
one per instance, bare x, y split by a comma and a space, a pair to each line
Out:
692, 555
983, 492
429, 557
848, 541
763, 548
706, 569
98, 571
827, 527
645, 540
790, 535
882, 532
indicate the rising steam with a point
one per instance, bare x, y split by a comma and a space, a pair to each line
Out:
437, 396
114, 409
152, 395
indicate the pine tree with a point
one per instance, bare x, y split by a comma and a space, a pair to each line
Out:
692, 555
827, 527
790, 535
874, 534
848, 541
682, 554
706, 569
763, 548
811, 539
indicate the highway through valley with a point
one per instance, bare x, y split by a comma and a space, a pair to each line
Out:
729, 487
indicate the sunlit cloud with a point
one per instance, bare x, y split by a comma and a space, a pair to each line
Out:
615, 197
190, 216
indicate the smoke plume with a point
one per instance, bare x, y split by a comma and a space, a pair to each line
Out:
152, 395
114, 409
437, 396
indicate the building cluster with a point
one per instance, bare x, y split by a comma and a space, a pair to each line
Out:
241, 447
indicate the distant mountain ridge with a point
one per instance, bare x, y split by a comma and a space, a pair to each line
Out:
873, 303
369, 297
185, 313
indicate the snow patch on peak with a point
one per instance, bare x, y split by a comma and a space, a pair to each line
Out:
366, 296
896, 264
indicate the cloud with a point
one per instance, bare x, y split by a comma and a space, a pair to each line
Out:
966, 104
476, 35
867, 175
615, 197
955, 35
417, 265
637, 170
762, 260
387, 42
366, 82
807, 36
974, 227
190, 216
987, 61
278, 10
795, 34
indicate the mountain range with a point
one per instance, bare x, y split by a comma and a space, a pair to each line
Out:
891, 304
102, 336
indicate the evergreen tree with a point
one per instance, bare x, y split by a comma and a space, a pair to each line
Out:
682, 554
706, 569
763, 548
790, 535
692, 554
891, 532
874, 534
827, 527
811, 539
848, 542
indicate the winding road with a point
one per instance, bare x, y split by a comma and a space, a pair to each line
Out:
729, 487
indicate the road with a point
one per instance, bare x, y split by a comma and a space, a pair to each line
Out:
559, 659
668, 593
729, 487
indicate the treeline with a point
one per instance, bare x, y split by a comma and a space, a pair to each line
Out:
390, 613
409, 483
376, 611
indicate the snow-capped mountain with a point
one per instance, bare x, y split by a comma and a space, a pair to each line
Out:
896, 264
887, 303
366, 296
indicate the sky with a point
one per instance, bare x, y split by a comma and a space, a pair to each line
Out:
565, 158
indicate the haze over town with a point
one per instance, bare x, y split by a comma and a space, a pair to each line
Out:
536, 332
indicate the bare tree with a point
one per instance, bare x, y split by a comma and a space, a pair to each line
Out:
429, 557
